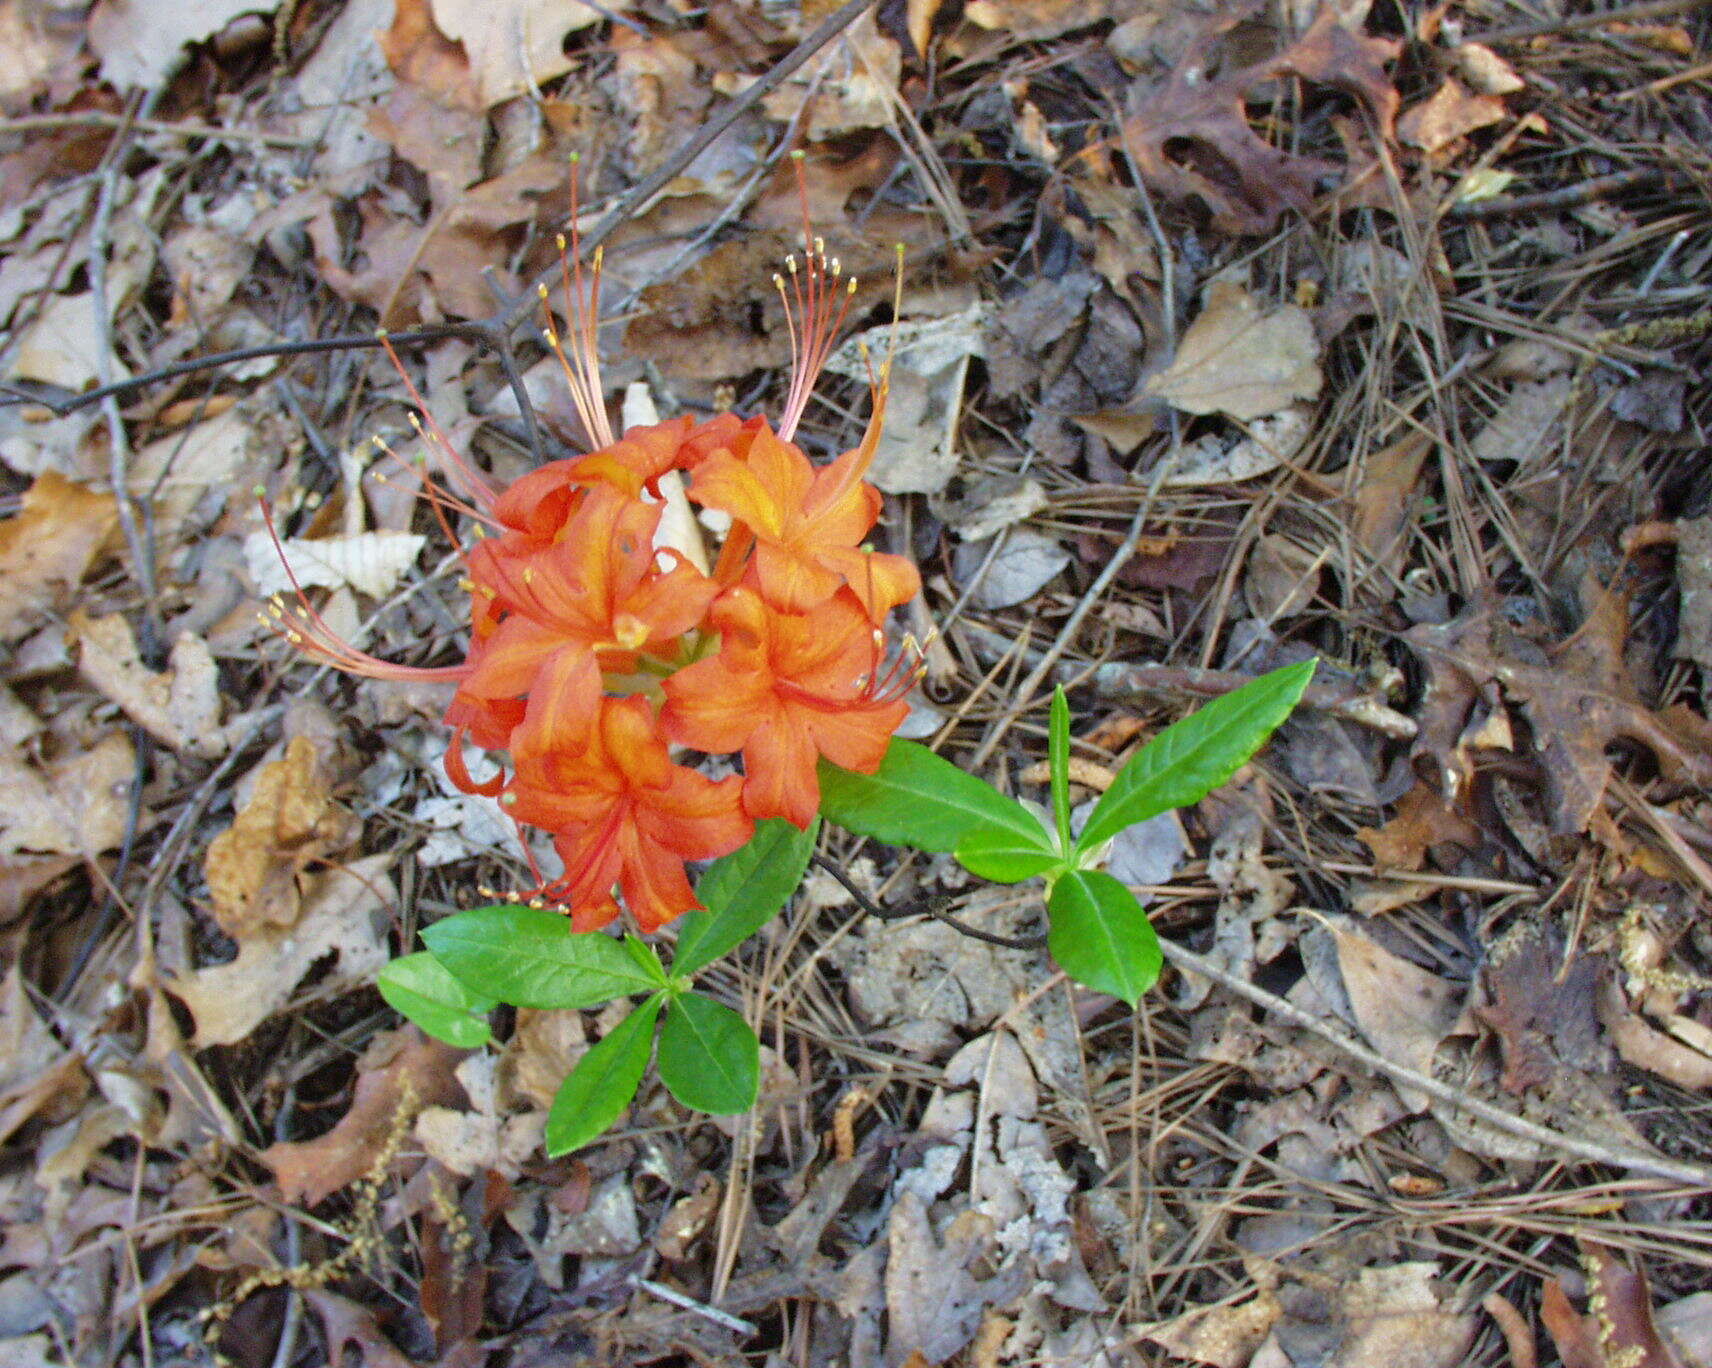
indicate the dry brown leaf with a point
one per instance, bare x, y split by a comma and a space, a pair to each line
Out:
1191, 138
48, 548
77, 807
1486, 71
934, 1303
1404, 1011
1423, 820
1235, 359
1642, 1044
180, 707
1222, 1336
1385, 500
512, 46
290, 822
1452, 112
344, 916
1395, 1318
1618, 1327
854, 84
420, 55
401, 1070
1579, 698
683, 1225
142, 44
372, 563
38, 43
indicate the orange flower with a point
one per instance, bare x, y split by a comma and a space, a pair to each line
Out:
595, 589
807, 523
595, 771
786, 689
589, 644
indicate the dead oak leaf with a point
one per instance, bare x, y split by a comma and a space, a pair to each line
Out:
400, 1073
291, 821
934, 1304
180, 707
512, 46
1579, 699
47, 549
421, 55
76, 806
1238, 360
343, 919
1618, 1328
1543, 1011
1452, 112
1215, 156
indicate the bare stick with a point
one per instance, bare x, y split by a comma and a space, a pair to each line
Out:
1496, 1117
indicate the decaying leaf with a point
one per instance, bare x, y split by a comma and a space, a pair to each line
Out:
514, 45
1452, 112
479, 1139
47, 549
141, 45
372, 563
179, 707
1579, 698
1214, 155
76, 807
934, 1303
253, 867
1221, 1336
1618, 1327
1404, 1011
402, 1071
343, 917
66, 346
853, 84
1237, 360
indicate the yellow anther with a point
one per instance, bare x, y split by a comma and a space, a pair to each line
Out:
778, 280
294, 638
599, 256
508, 799
820, 247
541, 290
852, 288
529, 574
563, 246
791, 262
837, 269
467, 584
260, 491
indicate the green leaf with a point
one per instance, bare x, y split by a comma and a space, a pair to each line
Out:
1101, 937
1005, 857
709, 1057
918, 799
1191, 758
419, 987
741, 890
599, 1089
1058, 754
530, 957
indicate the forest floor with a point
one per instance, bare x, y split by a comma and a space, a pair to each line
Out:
1231, 333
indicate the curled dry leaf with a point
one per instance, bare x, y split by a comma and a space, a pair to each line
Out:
179, 707
1618, 1326
47, 549
512, 46
343, 917
1452, 112
253, 867
1235, 359
402, 1071
74, 807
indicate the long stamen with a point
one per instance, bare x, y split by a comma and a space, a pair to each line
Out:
582, 316
310, 633
815, 310
481, 492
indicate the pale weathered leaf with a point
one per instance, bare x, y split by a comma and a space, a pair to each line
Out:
344, 916
179, 706
1237, 360
372, 563
515, 45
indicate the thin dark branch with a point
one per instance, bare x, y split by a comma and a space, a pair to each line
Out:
932, 907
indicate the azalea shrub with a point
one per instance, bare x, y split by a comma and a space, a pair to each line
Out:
613, 662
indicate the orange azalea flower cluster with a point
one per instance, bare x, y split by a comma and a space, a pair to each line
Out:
595, 652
